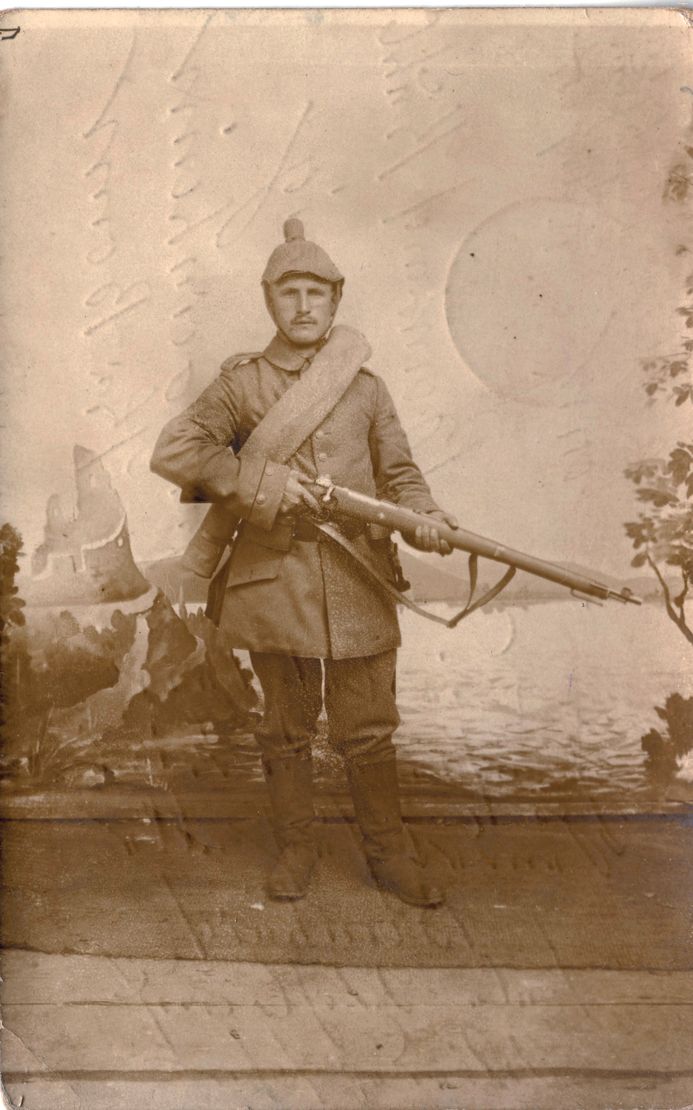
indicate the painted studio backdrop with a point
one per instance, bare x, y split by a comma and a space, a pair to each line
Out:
507, 197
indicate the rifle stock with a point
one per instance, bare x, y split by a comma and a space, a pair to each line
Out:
359, 506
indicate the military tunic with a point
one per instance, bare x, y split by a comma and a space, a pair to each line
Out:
287, 593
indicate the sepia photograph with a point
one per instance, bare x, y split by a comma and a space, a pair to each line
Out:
347, 559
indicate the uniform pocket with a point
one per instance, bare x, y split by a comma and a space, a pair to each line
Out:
254, 562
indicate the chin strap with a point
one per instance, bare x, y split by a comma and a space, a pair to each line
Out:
341, 540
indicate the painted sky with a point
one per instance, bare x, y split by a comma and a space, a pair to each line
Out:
490, 182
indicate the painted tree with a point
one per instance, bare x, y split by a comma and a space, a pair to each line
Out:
663, 540
11, 605
663, 533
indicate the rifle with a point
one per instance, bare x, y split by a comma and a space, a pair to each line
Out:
340, 501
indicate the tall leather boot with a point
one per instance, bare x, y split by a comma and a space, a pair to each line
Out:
391, 856
290, 785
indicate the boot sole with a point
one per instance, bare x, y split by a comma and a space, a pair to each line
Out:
429, 904
291, 892
432, 902
293, 897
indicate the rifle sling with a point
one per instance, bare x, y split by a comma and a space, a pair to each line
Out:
341, 540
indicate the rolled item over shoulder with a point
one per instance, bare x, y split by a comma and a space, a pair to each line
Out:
280, 433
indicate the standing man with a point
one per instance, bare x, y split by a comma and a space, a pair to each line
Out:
317, 626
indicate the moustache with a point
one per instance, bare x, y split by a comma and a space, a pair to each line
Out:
303, 320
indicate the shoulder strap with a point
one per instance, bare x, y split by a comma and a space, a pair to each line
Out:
233, 361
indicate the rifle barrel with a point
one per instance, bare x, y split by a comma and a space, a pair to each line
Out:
359, 506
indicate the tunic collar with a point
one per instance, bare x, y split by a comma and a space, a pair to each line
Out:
282, 354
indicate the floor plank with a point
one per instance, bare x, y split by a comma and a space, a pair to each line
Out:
244, 1018
39, 977
453, 1092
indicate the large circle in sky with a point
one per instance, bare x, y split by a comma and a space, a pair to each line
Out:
531, 292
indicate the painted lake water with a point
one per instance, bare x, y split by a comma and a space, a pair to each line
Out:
544, 702
552, 699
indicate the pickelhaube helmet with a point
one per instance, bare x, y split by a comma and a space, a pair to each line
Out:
297, 255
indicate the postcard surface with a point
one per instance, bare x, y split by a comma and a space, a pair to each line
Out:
439, 260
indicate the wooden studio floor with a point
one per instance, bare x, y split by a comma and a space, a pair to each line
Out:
144, 966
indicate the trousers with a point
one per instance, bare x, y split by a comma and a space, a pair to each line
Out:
359, 699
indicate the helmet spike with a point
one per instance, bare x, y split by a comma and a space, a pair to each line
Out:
293, 229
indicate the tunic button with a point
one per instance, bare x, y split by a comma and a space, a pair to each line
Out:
269, 471
260, 499
319, 433
322, 455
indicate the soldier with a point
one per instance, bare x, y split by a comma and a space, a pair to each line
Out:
318, 628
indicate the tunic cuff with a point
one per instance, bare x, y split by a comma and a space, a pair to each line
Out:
420, 504
228, 479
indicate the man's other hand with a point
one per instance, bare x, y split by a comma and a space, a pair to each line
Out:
428, 538
297, 498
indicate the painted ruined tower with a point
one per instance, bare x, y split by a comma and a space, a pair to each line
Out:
85, 558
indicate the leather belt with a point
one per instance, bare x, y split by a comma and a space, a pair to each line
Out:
306, 532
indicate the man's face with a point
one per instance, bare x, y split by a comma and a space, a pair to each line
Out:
302, 307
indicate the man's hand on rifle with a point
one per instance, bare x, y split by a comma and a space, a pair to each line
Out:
296, 497
428, 538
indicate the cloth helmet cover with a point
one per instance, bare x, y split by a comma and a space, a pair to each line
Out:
299, 256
